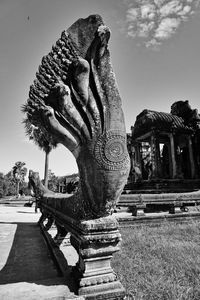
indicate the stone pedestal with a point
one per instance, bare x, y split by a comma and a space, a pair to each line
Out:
96, 241
137, 210
175, 209
140, 211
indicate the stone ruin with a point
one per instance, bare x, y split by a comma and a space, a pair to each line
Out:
169, 142
164, 150
75, 99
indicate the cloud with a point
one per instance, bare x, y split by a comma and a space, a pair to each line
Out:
153, 21
166, 28
132, 14
148, 11
171, 8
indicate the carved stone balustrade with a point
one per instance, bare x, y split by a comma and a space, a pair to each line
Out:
95, 242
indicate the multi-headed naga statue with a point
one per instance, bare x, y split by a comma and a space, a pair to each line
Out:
76, 100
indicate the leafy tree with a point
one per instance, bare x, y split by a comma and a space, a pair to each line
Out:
25, 188
53, 181
42, 139
1, 185
19, 173
9, 184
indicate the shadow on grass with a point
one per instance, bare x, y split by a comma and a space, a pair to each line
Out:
30, 261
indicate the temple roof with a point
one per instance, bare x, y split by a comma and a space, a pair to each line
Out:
148, 120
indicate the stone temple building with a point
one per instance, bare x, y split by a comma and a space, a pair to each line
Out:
165, 149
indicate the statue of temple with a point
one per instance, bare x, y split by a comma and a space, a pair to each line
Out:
165, 146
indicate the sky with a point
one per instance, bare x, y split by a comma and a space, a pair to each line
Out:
154, 45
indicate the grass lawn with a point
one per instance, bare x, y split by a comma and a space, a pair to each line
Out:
160, 262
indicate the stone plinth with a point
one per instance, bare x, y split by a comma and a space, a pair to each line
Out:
95, 243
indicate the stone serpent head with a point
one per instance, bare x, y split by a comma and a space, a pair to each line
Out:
75, 98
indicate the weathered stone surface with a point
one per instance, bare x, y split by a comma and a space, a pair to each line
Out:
76, 100
95, 242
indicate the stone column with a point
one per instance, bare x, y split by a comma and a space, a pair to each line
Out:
192, 165
157, 154
95, 242
137, 153
173, 157
154, 156
138, 161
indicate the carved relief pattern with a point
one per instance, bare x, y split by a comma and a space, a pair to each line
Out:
111, 152
98, 279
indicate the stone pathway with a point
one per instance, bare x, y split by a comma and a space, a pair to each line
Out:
7, 232
27, 270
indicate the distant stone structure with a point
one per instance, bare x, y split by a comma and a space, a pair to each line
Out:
168, 142
164, 150
68, 184
76, 100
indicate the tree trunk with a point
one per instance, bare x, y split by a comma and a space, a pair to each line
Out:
46, 169
17, 190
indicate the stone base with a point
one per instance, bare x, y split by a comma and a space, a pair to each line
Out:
111, 291
95, 242
137, 210
140, 212
175, 209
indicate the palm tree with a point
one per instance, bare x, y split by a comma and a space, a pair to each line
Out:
19, 173
43, 140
